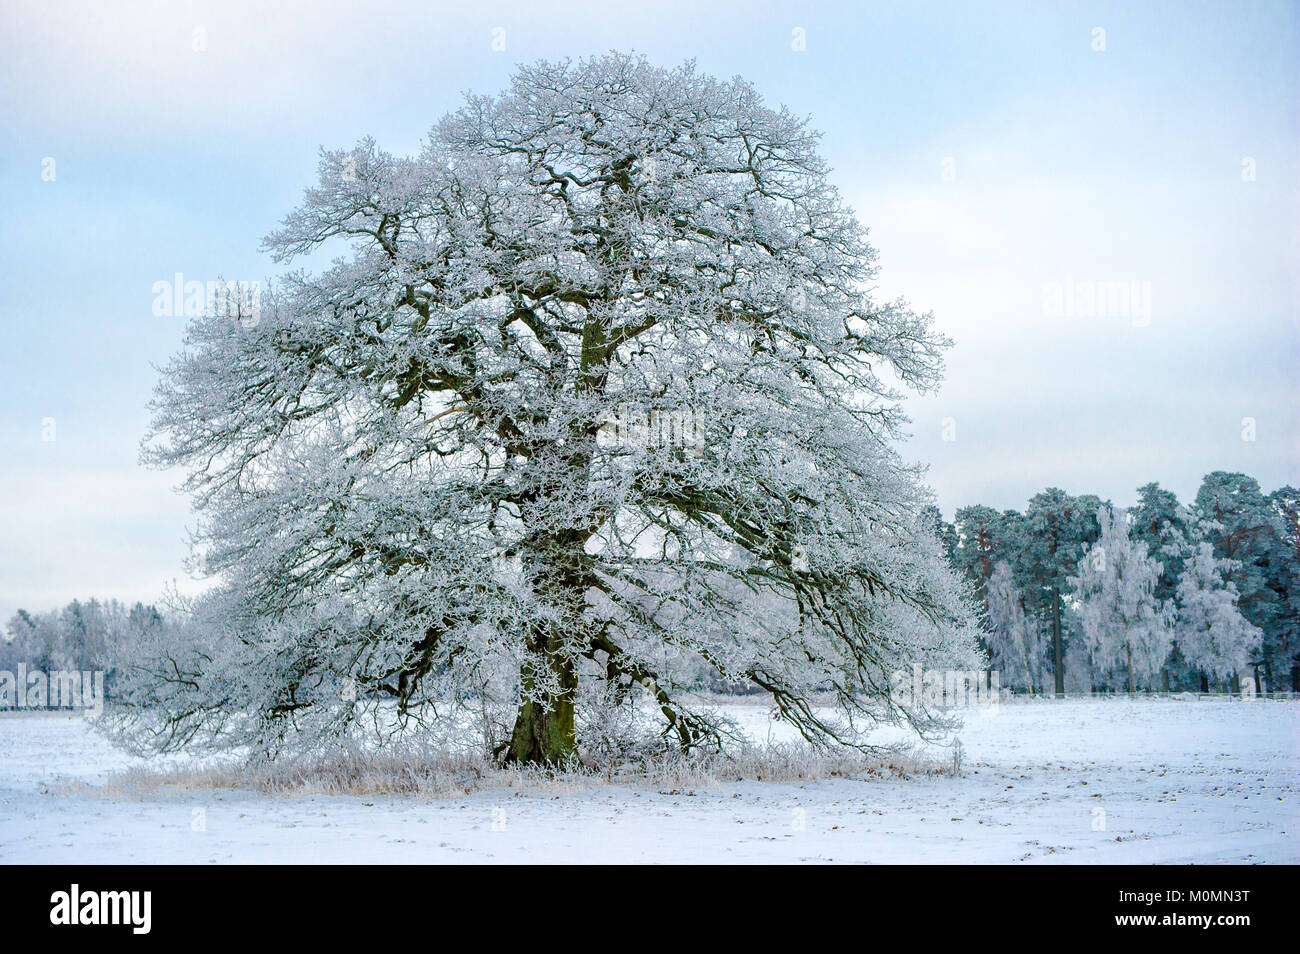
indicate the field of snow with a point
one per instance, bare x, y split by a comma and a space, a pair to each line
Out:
1164, 780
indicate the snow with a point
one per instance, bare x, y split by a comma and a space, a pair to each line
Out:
1179, 780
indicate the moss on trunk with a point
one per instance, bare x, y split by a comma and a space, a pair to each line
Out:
545, 732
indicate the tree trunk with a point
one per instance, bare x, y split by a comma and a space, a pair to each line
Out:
1128, 653
544, 731
1056, 643
1024, 652
542, 735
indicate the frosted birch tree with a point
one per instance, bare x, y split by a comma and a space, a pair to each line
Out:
409, 468
1248, 529
1211, 632
1122, 622
1015, 648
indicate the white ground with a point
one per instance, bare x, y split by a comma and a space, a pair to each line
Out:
1079, 781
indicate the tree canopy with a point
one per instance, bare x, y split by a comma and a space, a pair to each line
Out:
404, 464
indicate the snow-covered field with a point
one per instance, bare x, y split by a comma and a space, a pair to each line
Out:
1080, 781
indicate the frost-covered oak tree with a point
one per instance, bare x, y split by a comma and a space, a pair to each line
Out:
417, 475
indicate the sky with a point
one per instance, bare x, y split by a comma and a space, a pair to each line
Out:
1012, 161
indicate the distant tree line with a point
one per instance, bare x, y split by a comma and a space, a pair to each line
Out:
85, 635
1080, 595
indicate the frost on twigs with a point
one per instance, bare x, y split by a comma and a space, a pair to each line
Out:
398, 470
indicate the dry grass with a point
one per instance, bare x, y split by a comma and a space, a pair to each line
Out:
414, 771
